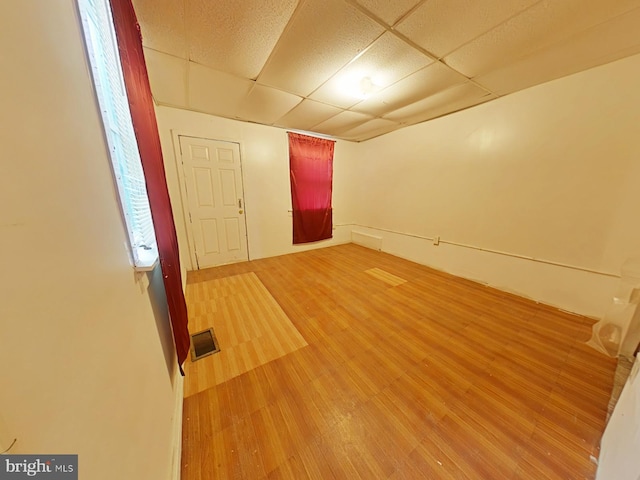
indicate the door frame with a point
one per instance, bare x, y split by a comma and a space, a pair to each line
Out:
184, 199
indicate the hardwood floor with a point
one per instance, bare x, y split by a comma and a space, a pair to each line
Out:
249, 325
408, 373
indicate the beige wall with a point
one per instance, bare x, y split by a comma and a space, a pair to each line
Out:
265, 170
550, 173
547, 174
86, 357
620, 443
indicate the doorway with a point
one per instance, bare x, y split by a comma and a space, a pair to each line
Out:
215, 201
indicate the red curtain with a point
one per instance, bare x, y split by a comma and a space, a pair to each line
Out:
146, 130
311, 172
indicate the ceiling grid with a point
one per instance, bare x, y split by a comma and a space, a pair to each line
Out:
356, 69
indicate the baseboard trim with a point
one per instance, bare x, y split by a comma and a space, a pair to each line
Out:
176, 442
366, 240
576, 290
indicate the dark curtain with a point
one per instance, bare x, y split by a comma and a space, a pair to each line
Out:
146, 130
311, 172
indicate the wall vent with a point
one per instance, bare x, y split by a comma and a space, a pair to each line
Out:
203, 343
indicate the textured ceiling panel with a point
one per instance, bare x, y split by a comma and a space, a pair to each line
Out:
450, 100
441, 26
168, 78
544, 24
266, 104
426, 82
317, 44
385, 62
307, 114
303, 49
235, 36
604, 43
216, 92
389, 11
164, 27
370, 129
341, 123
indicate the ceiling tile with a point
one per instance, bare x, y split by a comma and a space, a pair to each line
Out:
429, 80
167, 77
341, 123
388, 11
266, 105
370, 129
297, 47
544, 24
447, 101
604, 43
235, 36
441, 26
216, 92
386, 61
307, 114
322, 37
162, 25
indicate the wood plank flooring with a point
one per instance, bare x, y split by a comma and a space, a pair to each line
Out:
250, 327
386, 277
434, 378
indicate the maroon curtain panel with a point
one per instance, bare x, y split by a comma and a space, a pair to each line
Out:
146, 130
311, 173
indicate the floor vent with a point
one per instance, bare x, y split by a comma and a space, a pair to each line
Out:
203, 343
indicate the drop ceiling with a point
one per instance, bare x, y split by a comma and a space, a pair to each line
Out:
358, 69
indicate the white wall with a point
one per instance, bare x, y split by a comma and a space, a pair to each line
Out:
546, 177
551, 172
620, 443
265, 169
85, 345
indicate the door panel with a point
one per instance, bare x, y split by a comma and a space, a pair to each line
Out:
225, 155
232, 228
204, 187
228, 188
209, 236
214, 191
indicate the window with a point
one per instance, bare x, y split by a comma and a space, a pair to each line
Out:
123, 149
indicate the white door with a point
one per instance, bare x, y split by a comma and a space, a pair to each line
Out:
215, 198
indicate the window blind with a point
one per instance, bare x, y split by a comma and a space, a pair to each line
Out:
116, 116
